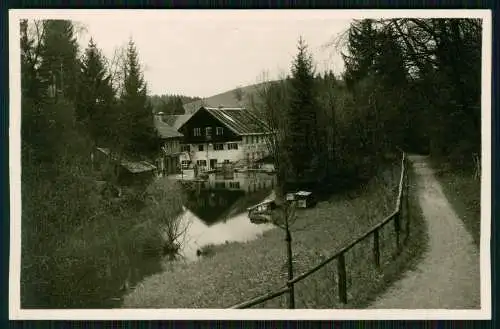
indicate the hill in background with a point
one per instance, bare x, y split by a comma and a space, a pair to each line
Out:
238, 97
170, 104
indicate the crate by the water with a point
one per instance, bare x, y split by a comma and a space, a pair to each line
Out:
304, 199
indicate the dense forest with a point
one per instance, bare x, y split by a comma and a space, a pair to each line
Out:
409, 84
170, 104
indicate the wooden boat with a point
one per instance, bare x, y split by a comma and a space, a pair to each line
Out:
262, 212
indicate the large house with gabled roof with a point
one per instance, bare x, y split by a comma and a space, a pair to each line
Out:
216, 136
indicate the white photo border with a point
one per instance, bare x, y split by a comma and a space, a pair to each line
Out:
15, 311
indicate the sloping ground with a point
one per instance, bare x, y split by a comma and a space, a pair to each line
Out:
464, 194
448, 276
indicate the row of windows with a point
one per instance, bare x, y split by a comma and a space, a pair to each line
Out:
254, 139
230, 184
217, 147
255, 155
200, 163
219, 131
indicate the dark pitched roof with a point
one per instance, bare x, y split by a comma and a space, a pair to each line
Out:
239, 120
165, 130
176, 121
132, 166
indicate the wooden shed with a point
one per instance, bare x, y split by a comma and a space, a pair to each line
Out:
303, 199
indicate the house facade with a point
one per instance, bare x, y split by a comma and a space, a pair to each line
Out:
214, 137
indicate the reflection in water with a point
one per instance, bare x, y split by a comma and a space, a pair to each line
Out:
199, 234
216, 209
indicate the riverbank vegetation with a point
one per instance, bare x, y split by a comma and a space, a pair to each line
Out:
80, 245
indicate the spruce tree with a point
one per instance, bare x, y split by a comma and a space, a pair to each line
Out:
135, 131
361, 53
303, 127
96, 97
60, 65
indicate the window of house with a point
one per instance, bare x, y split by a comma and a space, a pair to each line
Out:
185, 164
201, 163
220, 184
197, 131
186, 148
218, 147
200, 147
232, 146
227, 161
219, 131
234, 184
208, 131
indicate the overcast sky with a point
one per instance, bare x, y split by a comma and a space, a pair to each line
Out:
202, 53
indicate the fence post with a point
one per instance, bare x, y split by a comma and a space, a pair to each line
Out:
376, 248
397, 229
342, 278
407, 201
291, 299
291, 295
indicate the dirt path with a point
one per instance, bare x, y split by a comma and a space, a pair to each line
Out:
448, 275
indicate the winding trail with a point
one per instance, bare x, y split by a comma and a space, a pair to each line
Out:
448, 275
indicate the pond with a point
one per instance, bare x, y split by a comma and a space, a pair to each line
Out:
215, 211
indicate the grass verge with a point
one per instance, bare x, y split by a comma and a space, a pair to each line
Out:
240, 271
464, 194
415, 246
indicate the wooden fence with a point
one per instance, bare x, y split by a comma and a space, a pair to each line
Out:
400, 212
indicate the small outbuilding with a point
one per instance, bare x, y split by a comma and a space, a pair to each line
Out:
304, 199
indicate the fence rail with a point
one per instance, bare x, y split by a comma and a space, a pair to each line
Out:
395, 216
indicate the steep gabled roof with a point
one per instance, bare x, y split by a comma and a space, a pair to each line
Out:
239, 120
165, 130
176, 121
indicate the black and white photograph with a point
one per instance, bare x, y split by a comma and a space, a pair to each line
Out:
210, 164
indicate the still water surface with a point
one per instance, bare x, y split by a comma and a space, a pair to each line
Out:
215, 211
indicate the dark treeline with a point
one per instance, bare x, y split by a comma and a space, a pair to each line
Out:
170, 104
409, 84
79, 246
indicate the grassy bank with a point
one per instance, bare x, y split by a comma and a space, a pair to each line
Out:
464, 194
239, 271
90, 265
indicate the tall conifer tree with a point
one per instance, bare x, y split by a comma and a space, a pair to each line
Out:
136, 127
